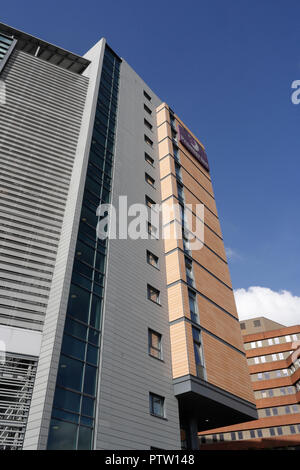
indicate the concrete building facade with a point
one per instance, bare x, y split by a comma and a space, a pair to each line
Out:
273, 354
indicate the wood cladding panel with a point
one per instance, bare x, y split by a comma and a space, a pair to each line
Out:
162, 115
166, 166
179, 350
167, 187
213, 263
227, 368
214, 242
193, 168
199, 192
177, 302
164, 130
214, 290
165, 148
219, 323
209, 219
173, 267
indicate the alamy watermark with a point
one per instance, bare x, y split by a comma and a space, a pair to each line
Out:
166, 221
295, 96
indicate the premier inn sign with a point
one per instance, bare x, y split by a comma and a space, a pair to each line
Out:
192, 145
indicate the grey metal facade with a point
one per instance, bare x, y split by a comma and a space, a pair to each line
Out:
127, 372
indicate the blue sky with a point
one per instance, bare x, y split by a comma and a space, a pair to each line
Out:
226, 68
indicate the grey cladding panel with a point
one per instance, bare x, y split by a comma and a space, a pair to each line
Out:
128, 374
39, 129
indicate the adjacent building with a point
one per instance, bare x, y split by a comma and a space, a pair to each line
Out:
119, 342
273, 355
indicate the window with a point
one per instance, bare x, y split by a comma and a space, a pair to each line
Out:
180, 192
174, 135
172, 121
149, 159
152, 259
198, 352
272, 431
292, 429
252, 433
233, 437
148, 110
152, 230
156, 403
147, 96
240, 435
268, 412
153, 294
148, 141
279, 431
155, 344
189, 271
243, 326
147, 124
178, 171
185, 241
259, 433
149, 179
256, 323
176, 152
149, 201
193, 307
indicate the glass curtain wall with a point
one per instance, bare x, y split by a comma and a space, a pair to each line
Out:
73, 413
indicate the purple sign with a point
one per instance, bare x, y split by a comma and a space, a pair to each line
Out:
192, 145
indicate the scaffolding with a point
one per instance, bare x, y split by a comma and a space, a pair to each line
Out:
17, 374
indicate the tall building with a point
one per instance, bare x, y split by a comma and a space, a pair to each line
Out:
273, 354
120, 342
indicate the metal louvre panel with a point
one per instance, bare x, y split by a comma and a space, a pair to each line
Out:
17, 376
39, 130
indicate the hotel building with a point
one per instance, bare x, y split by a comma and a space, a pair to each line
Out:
109, 343
273, 355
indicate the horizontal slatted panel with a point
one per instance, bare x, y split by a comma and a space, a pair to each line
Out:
39, 129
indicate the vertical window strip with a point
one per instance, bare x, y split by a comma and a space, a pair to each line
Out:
76, 388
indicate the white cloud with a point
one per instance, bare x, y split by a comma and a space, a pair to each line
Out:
282, 307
